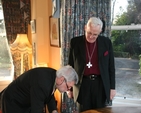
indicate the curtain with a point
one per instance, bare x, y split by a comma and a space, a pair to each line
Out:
74, 15
17, 16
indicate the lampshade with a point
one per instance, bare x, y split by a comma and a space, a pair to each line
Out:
21, 44
21, 53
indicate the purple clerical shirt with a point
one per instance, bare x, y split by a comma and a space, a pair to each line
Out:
94, 60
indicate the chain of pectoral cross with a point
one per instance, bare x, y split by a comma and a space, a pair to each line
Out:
89, 64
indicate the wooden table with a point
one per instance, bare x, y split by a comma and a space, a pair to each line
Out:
119, 109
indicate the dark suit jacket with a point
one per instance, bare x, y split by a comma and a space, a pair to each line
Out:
31, 90
106, 62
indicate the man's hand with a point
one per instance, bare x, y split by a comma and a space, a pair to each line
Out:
54, 111
112, 94
70, 94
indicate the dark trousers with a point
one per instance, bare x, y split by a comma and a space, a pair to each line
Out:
91, 94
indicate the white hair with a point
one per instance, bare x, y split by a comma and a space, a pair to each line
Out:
94, 21
69, 73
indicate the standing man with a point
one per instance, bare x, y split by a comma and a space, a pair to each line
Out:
92, 57
32, 90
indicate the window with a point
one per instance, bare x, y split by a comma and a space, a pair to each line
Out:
6, 65
126, 39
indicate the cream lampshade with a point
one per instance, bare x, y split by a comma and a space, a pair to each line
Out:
21, 52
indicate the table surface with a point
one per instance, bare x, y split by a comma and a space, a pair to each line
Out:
119, 109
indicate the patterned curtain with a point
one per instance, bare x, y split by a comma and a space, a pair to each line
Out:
17, 16
74, 16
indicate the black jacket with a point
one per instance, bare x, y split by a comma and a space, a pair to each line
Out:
31, 90
106, 62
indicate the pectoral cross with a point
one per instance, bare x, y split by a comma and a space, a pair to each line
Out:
89, 65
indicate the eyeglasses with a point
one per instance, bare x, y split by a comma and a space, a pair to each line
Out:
68, 87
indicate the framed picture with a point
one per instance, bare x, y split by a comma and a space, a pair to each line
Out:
54, 32
33, 26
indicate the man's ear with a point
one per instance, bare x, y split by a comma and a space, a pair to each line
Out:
85, 28
62, 78
100, 31
59, 80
